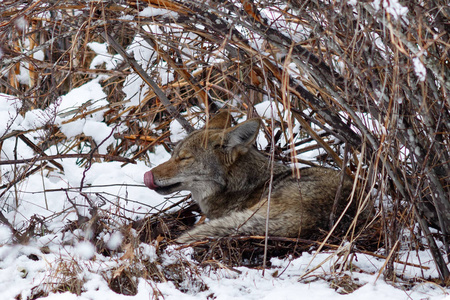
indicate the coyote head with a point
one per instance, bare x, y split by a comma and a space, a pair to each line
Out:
202, 162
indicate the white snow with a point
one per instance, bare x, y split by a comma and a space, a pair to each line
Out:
39, 55
178, 132
101, 133
35, 118
392, 7
85, 250
126, 17
91, 92
103, 56
73, 128
282, 281
134, 86
419, 69
152, 11
148, 252
9, 115
271, 109
115, 240
5, 234
21, 23
24, 75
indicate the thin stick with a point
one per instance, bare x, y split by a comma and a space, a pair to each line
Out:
60, 156
140, 71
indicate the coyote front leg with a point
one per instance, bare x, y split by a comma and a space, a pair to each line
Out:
245, 222
242, 223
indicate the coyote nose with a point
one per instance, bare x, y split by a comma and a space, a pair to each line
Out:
149, 181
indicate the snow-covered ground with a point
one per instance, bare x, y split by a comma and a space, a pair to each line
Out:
19, 275
32, 269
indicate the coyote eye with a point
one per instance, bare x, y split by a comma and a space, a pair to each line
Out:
184, 157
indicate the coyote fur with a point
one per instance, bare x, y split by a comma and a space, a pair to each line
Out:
231, 181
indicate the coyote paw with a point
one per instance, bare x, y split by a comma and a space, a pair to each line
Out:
188, 237
242, 223
184, 239
201, 232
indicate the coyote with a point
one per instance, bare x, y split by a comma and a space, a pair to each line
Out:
231, 181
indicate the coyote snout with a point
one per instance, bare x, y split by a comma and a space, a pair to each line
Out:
230, 178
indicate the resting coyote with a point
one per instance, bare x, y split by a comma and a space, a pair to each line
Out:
230, 178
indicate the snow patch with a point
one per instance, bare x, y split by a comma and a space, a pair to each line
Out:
85, 250
392, 7
152, 12
5, 234
91, 92
73, 129
39, 55
35, 118
419, 69
148, 252
21, 23
271, 109
9, 116
103, 56
177, 131
127, 18
115, 240
100, 133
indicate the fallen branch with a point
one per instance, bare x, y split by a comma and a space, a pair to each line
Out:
38, 150
141, 72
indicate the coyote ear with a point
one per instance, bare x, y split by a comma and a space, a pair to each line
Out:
244, 134
220, 121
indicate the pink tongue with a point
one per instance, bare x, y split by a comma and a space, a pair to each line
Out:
148, 180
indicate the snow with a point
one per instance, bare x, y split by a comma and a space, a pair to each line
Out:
41, 263
103, 56
73, 129
34, 119
9, 107
101, 133
126, 17
280, 282
270, 109
21, 23
148, 252
419, 69
39, 55
178, 132
85, 250
24, 75
152, 11
90, 92
114, 240
134, 86
392, 7
5, 234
